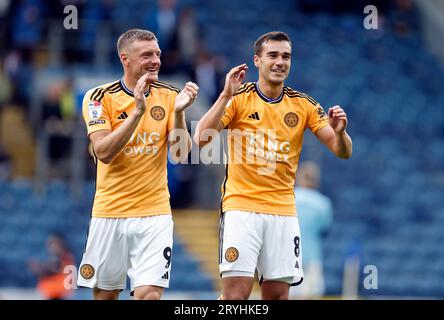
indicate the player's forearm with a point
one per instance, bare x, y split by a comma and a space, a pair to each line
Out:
180, 139
108, 147
211, 120
343, 145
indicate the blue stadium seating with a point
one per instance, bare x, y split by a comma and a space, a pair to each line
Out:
28, 219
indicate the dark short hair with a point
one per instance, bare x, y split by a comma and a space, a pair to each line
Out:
273, 35
133, 35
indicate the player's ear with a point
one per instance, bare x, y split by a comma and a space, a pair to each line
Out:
124, 58
256, 60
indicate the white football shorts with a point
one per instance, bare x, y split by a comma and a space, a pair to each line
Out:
139, 247
269, 243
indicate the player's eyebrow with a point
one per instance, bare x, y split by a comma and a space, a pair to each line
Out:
277, 52
144, 52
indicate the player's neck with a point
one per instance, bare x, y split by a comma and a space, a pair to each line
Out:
270, 90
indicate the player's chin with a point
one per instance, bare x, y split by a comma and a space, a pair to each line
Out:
277, 80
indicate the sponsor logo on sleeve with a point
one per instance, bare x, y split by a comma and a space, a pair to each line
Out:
321, 112
94, 110
94, 122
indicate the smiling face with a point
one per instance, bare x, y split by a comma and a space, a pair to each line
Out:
141, 57
274, 61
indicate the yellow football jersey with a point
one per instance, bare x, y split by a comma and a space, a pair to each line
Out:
134, 184
264, 145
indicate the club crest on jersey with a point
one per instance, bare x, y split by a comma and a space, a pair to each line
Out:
231, 254
158, 113
87, 271
94, 110
291, 119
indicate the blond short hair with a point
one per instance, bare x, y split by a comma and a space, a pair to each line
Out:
133, 35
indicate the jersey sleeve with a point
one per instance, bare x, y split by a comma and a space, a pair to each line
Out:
95, 112
229, 112
317, 118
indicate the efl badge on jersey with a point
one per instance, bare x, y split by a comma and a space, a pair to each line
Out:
231, 254
157, 113
291, 119
87, 271
94, 110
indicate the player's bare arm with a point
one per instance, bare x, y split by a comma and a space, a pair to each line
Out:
212, 119
107, 144
335, 136
183, 100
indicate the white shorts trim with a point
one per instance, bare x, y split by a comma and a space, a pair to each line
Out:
231, 273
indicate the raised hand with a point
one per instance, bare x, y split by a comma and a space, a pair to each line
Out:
139, 93
234, 78
337, 119
186, 97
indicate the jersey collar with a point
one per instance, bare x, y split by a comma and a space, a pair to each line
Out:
267, 99
129, 92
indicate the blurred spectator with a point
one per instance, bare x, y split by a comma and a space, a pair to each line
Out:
58, 119
51, 103
209, 74
5, 86
180, 185
166, 22
315, 217
187, 35
51, 273
206, 75
67, 101
404, 17
5, 165
28, 24
19, 73
163, 22
4, 24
